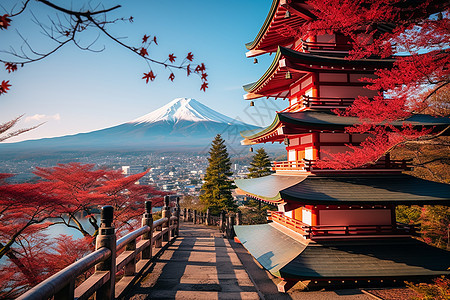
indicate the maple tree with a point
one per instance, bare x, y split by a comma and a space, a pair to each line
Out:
67, 27
64, 195
417, 35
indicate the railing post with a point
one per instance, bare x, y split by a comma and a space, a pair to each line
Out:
177, 230
230, 229
208, 217
166, 214
238, 218
107, 238
222, 223
185, 219
195, 217
147, 220
189, 219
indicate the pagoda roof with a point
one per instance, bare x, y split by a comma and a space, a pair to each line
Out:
278, 30
283, 254
324, 120
346, 189
274, 83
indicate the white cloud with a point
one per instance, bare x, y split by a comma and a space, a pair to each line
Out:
42, 118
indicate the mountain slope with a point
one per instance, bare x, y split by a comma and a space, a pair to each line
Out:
182, 124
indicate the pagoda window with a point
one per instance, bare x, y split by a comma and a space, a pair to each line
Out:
357, 77
359, 137
309, 153
307, 216
307, 139
334, 138
355, 217
326, 38
292, 155
364, 38
333, 77
307, 82
332, 150
328, 91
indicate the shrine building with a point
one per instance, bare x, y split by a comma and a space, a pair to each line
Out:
331, 225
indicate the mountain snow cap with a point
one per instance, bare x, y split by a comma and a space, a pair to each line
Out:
185, 109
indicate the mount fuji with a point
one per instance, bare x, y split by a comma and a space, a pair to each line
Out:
180, 125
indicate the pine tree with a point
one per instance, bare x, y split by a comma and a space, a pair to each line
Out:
217, 187
260, 165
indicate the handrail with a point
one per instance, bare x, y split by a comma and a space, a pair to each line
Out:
398, 164
330, 231
308, 46
288, 165
103, 282
122, 242
53, 284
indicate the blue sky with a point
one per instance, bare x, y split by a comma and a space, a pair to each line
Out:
80, 91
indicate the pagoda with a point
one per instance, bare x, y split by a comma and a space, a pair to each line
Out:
332, 226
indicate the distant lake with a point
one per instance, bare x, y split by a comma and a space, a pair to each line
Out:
58, 229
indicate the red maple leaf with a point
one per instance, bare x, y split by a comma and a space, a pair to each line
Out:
149, 76
4, 21
131, 19
172, 58
188, 70
10, 67
145, 38
197, 69
4, 87
143, 52
154, 40
204, 86
202, 67
204, 75
190, 56
171, 76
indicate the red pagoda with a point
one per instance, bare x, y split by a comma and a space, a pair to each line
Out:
331, 225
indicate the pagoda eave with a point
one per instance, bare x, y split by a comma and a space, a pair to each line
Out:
277, 29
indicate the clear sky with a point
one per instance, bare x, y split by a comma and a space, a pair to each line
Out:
79, 91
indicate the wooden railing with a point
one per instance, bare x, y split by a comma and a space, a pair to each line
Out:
320, 46
224, 221
318, 102
331, 231
288, 165
386, 164
135, 255
326, 102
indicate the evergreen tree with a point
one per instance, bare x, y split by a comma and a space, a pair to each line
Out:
260, 165
217, 187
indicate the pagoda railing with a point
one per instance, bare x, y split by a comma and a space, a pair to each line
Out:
321, 46
381, 164
326, 102
288, 165
331, 231
318, 102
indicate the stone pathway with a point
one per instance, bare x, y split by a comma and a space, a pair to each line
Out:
200, 264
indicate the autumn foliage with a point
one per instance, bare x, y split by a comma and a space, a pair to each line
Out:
65, 195
68, 25
416, 34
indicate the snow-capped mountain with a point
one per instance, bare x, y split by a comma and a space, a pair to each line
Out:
185, 109
179, 125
